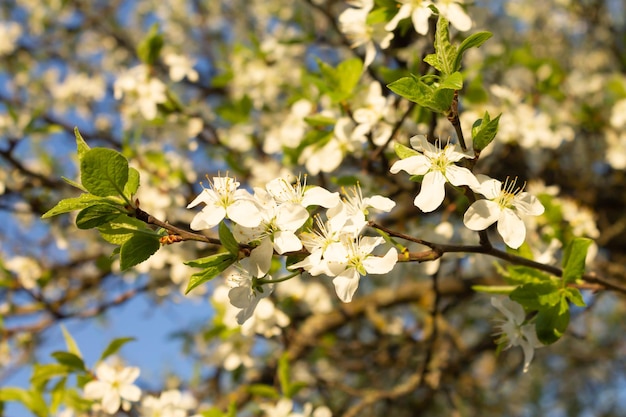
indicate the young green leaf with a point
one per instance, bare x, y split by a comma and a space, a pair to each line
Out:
43, 373
70, 360
536, 296
132, 185
96, 215
81, 145
71, 204
453, 81
137, 249
104, 172
150, 46
484, 131
552, 322
473, 41
32, 400
122, 229
213, 266
445, 52
228, 240
574, 259
114, 346
70, 343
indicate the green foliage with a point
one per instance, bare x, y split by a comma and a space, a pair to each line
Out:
228, 240
104, 172
114, 346
137, 249
339, 82
484, 131
404, 152
574, 259
434, 96
212, 266
31, 399
150, 46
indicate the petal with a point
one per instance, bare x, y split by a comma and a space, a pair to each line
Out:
245, 213
414, 165
209, 217
490, 188
128, 375
95, 390
378, 265
130, 392
285, 241
403, 13
291, 216
420, 19
481, 214
261, 258
346, 284
432, 193
511, 228
321, 197
380, 203
111, 401
527, 203
461, 176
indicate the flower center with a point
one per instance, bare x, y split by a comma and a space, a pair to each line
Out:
508, 193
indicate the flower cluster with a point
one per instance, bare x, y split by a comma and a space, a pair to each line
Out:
504, 205
273, 220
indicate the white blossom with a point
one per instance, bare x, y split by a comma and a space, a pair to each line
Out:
438, 167
503, 205
112, 386
514, 331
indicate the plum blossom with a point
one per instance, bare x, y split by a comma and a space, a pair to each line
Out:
142, 91
285, 192
245, 293
180, 67
351, 214
171, 403
353, 23
514, 331
438, 167
350, 258
419, 11
276, 231
503, 205
112, 386
224, 199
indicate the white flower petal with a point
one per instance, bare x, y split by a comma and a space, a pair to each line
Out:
321, 197
286, 242
528, 204
461, 176
414, 165
481, 214
511, 228
432, 193
378, 265
346, 284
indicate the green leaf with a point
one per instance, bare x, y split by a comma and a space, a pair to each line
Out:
404, 152
137, 249
535, 296
263, 390
132, 185
212, 266
473, 41
494, 289
119, 231
96, 215
104, 172
409, 88
340, 82
114, 347
150, 46
575, 297
228, 240
74, 184
283, 374
71, 204
32, 400
516, 275
552, 322
70, 343
445, 52
43, 373
442, 100
453, 81
318, 120
574, 259
70, 360
484, 131
81, 145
